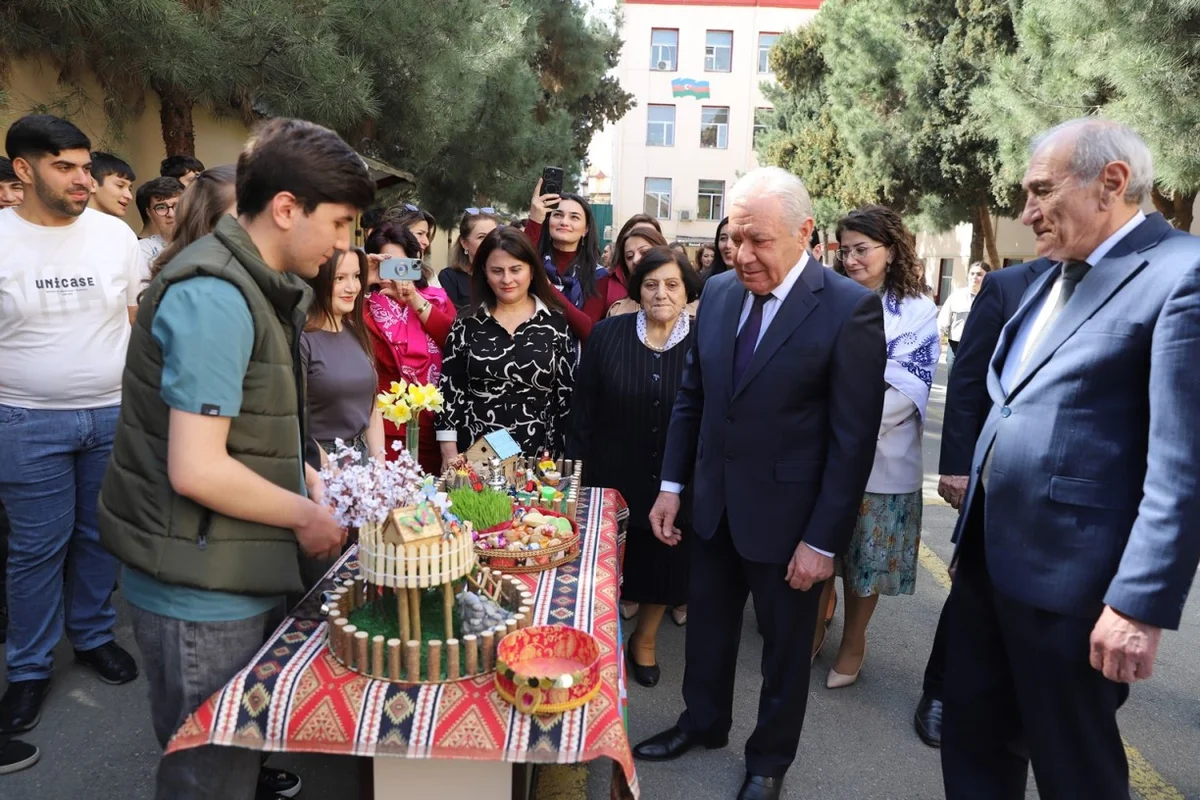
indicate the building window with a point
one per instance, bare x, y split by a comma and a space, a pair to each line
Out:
664, 49
762, 118
718, 51
711, 202
658, 198
660, 126
945, 279
765, 41
714, 127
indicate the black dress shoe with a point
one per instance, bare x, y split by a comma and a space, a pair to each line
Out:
21, 706
111, 663
928, 720
674, 742
646, 676
760, 787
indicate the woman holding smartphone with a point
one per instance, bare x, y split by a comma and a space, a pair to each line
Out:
564, 231
408, 322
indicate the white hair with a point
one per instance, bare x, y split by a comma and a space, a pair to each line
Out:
1098, 142
775, 182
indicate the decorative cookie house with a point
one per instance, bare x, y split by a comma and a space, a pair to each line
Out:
500, 445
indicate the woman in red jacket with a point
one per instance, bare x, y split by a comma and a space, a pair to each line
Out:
564, 231
408, 323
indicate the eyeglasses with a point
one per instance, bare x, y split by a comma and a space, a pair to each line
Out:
859, 252
485, 210
162, 208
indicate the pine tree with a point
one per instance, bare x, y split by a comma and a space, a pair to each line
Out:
1136, 62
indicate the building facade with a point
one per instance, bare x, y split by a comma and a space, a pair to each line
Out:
695, 69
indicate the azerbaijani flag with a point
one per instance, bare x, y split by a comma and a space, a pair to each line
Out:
686, 87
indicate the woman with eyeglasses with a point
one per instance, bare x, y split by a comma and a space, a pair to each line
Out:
476, 223
564, 230
408, 323
878, 251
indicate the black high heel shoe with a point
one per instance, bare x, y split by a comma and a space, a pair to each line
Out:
646, 676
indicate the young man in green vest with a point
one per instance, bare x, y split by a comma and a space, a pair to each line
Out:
207, 500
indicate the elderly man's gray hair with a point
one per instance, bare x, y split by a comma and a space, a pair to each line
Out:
775, 182
1099, 142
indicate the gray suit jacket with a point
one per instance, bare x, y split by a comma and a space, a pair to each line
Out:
1093, 497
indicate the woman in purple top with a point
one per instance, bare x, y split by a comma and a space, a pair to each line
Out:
336, 355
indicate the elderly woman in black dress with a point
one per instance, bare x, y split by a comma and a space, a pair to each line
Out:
625, 388
511, 362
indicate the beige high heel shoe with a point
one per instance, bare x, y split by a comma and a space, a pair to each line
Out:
837, 680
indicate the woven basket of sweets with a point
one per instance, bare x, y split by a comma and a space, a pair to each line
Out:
548, 669
538, 539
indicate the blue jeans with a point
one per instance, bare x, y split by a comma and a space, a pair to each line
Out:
51, 466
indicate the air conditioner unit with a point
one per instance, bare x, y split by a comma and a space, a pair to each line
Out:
685, 215
662, 65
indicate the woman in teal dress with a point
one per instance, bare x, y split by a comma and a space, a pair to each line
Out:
878, 252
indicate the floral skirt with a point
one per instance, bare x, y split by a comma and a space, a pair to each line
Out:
882, 558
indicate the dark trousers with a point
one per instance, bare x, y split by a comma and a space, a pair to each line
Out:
935, 667
1019, 688
719, 583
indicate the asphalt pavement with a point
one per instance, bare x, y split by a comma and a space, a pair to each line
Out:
858, 742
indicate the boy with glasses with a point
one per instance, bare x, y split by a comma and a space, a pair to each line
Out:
156, 201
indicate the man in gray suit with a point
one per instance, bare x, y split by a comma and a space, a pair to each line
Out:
1079, 540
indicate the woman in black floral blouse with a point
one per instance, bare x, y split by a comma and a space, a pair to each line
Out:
511, 362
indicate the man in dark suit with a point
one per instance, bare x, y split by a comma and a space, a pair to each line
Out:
774, 428
967, 406
1078, 541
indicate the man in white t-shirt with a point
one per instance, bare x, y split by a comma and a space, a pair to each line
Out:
157, 199
69, 281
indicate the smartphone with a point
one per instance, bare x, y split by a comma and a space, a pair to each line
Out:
552, 180
400, 269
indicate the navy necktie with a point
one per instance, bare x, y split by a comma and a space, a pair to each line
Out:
747, 339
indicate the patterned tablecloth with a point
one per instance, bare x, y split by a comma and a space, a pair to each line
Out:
294, 697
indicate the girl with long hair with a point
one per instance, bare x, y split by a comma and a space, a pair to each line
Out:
564, 230
723, 252
511, 363
336, 353
476, 223
408, 322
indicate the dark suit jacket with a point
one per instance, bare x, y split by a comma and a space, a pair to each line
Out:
967, 400
1094, 492
787, 454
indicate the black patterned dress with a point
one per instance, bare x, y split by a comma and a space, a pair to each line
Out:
520, 382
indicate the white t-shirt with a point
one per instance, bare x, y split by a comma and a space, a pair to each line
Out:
151, 246
64, 320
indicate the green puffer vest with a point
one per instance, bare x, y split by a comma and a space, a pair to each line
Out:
143, 522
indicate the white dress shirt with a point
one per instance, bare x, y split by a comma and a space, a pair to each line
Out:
770, 308
1037, 318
